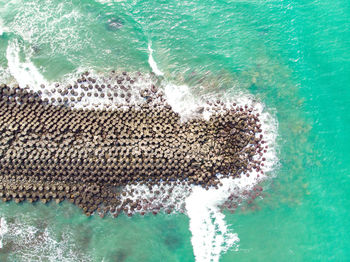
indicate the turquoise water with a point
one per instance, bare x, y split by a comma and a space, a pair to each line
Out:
291, 55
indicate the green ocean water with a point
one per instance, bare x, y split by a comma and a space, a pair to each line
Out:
291, 55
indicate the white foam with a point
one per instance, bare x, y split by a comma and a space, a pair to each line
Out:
30, 243
92, 102
5, 76
50, 25
2, 27
210, 236
169, 197
153, 63
182, 100
24, 72
3, 230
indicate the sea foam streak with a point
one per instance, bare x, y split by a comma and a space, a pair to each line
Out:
153, 63
2, 27
3, 230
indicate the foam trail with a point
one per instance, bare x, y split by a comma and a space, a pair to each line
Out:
209, 231
153, 63
30, 243
3, 230
25, 72
1, 28
5, 75
210, 234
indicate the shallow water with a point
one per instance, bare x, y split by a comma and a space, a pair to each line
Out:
291, 56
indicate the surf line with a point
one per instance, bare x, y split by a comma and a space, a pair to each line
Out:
153, 63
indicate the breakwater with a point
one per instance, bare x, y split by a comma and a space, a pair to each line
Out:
51, 150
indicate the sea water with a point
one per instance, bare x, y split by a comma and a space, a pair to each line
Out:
290, 59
